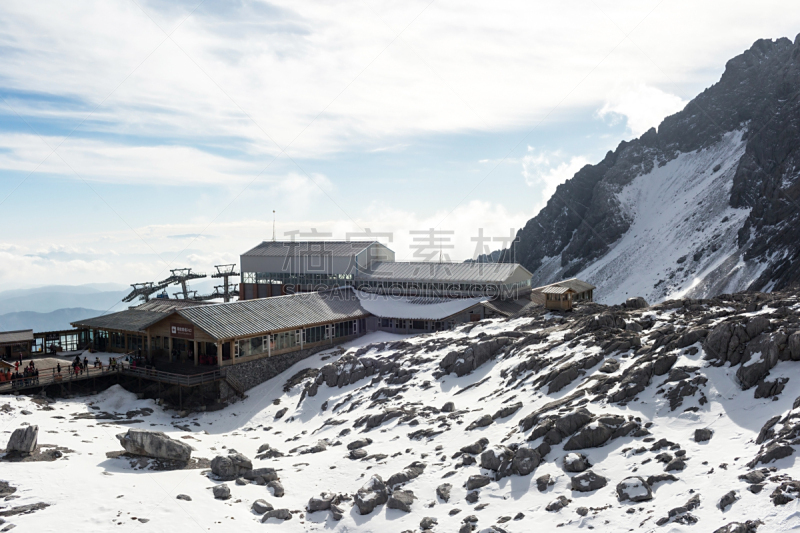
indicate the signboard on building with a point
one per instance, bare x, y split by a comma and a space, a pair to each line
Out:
181, 331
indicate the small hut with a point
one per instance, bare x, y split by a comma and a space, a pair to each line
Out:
558, 298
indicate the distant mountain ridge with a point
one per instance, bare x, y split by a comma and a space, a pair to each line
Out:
709, 203
51, 298
53, 321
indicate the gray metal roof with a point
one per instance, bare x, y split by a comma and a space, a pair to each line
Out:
301, 248
439, 272
256, 317
556, 289
128, 320
508, 308
168, 305
575, 284
21, 335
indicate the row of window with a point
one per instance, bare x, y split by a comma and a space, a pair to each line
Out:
280, 278
338, 279
291, 339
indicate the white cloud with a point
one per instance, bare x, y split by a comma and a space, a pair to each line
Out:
544, 171
642, 107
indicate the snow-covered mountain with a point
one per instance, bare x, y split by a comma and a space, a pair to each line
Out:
707, 204
681, 417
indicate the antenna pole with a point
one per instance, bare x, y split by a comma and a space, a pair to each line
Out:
273, 225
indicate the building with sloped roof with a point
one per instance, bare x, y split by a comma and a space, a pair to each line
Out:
278, 268
16, 343
581, 291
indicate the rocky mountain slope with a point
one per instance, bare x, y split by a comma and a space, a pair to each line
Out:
678, 417
708, 203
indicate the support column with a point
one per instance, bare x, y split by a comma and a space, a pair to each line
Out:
301, 339
149, 346
219, 354
171, 344
269, 345
233, 351
196, 354
125, 342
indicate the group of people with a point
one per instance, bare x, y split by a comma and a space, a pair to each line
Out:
28, 376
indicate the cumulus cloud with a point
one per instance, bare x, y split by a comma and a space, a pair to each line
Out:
545, 170
642, 107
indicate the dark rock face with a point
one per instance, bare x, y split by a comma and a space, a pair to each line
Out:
155, 444
585, 217
462, 362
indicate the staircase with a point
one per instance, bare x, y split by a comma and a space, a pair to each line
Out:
234, 384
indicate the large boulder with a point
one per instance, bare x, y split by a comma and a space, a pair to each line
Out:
634, 489
371, 495
477, 481
588, 481
154, 444
320, 503
412, 471
525, 461
759, 357
221, 492
576, 462
402, 500
636, 302
23, 440
231, 466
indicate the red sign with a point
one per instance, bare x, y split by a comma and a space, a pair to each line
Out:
181, 331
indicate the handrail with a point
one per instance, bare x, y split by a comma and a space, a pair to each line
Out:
177, 379
48, 378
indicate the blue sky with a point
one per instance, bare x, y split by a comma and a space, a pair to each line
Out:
141, 136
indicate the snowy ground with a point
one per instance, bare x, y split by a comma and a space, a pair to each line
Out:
89, 492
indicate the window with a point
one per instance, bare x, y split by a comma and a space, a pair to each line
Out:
418, 324
285, 340
248, 277
315, 334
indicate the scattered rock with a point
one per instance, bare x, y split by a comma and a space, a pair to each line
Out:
221, 492
727, 500
261, 506
280, 514
558, 504
703, 434
443, 491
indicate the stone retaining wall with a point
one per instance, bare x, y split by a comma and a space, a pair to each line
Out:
256, 372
